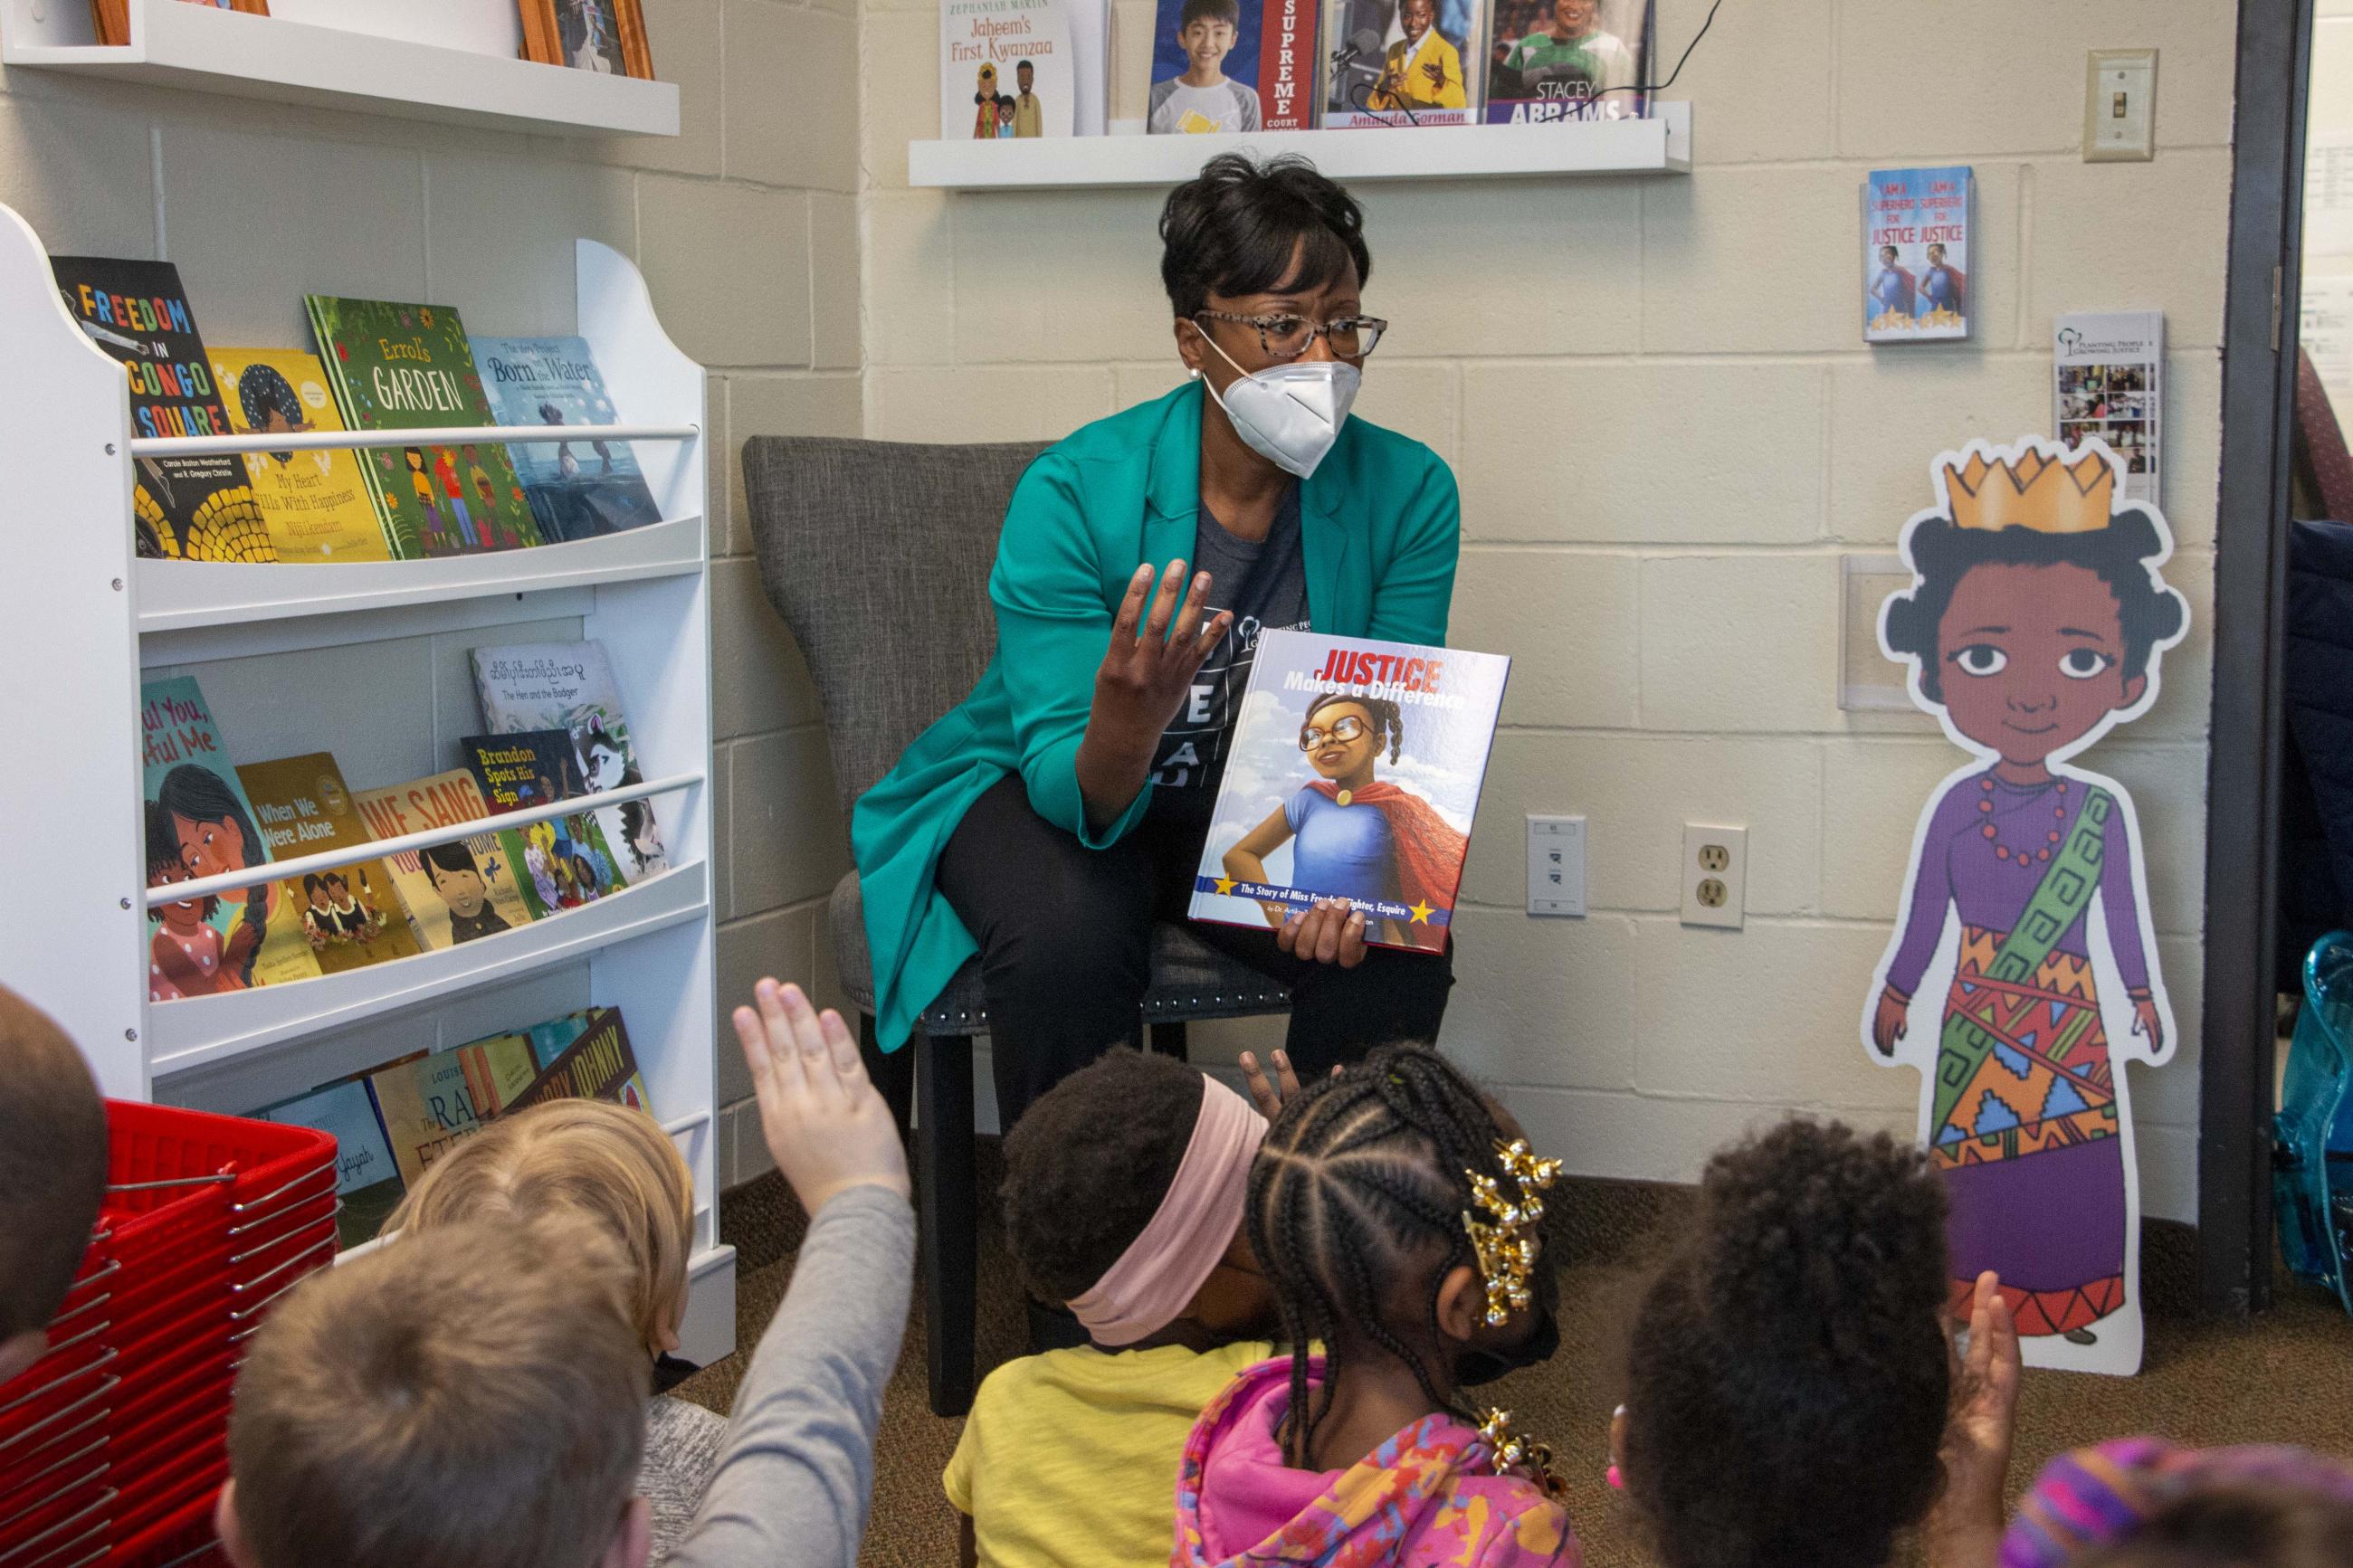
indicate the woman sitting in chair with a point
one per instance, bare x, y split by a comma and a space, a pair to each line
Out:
1051, 819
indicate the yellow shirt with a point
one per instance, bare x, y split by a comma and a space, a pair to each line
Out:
1070, 1457
1408, 83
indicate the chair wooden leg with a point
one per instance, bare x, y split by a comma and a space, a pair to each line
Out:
893, 1074
947, 1214
1168, 1040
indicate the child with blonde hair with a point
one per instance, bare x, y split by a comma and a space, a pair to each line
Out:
612, 1167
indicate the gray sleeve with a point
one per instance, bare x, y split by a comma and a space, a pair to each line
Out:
1245, 100
793, 1485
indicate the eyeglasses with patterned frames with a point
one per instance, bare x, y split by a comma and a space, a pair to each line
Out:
1286, 337
1347, 727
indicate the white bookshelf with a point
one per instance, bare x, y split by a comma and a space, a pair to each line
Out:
369, 661
377, 56
1660, 144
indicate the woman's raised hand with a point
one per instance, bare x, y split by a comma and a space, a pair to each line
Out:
1147, 674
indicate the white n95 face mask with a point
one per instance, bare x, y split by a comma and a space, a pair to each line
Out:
1289, 413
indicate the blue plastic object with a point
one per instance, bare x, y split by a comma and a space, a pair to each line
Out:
2312, 1150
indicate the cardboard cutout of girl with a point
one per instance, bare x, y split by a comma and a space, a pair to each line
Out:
2022, 972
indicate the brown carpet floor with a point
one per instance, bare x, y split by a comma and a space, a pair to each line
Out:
2286, 1378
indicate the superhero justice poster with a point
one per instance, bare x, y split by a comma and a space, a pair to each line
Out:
1354, 774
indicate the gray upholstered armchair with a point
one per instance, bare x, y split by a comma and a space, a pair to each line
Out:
861, 538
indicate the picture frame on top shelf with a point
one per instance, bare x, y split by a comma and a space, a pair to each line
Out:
607, 36
112, 17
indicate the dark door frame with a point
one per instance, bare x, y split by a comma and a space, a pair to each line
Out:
2259, 358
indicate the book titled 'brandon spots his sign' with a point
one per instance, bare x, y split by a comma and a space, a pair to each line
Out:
1354, 774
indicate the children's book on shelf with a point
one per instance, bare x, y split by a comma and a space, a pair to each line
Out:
367, 1180
189, 509
1401, 62
2108, 382
1354, 774
350, 915
199, 822
430, 1101
577, 489
597, 1065
1915, 254
396, 367
1008, 70
1235, 66
1547, 60
567, 861
315, 503
459, 890
570, 687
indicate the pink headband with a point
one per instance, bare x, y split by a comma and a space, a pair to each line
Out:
1147, 1290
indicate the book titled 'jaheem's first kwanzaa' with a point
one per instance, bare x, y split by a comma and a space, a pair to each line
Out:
1354, 774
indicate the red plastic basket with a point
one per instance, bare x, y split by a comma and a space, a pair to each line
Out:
114, 1445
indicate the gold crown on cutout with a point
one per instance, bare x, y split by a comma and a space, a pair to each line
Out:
1506, 1252
2036, 492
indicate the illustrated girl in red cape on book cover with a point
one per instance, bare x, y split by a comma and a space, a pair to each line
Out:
1356, 836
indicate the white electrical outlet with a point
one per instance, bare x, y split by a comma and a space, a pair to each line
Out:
1555, 865
1716, 875
2120, 106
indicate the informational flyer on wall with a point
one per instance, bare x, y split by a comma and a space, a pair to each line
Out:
2109, 372
1915, 254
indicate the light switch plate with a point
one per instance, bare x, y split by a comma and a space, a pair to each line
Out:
1715, 875
2120, 106
1555, 865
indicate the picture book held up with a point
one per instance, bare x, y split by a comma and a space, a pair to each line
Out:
1354, 774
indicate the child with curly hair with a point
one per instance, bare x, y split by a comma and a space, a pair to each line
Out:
1795, 1346
1395, 1212
1124, 1188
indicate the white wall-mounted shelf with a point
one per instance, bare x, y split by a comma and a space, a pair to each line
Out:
178, 595
204, 1031
1658, 145
173, 44
369, 661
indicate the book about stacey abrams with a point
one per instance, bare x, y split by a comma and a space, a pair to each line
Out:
1354, 774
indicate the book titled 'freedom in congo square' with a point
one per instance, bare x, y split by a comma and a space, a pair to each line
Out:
1355, 774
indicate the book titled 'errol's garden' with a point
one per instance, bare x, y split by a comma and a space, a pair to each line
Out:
578, 487
315, 503
192, 509
1354, 774
394, 366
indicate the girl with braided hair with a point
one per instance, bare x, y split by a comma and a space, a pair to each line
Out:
1394, 1208
1353, 836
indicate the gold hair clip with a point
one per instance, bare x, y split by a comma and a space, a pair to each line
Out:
1514, 1452
1507, 1255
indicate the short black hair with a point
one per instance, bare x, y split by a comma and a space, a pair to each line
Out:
1024, 66
1230, 11
1087, 1164
1793, 1343
453, 857
2147, 612
1235, 227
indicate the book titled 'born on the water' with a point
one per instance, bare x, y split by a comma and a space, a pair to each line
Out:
1354, 774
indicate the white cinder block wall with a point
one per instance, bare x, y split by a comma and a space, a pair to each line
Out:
744, 226
1667, 431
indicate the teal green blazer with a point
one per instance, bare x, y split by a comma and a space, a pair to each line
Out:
1380, 529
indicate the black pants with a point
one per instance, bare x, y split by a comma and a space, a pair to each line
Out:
1065, 935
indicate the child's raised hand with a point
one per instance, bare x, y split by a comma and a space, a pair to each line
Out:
824, 1123
1270, 1098
1964, 1529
